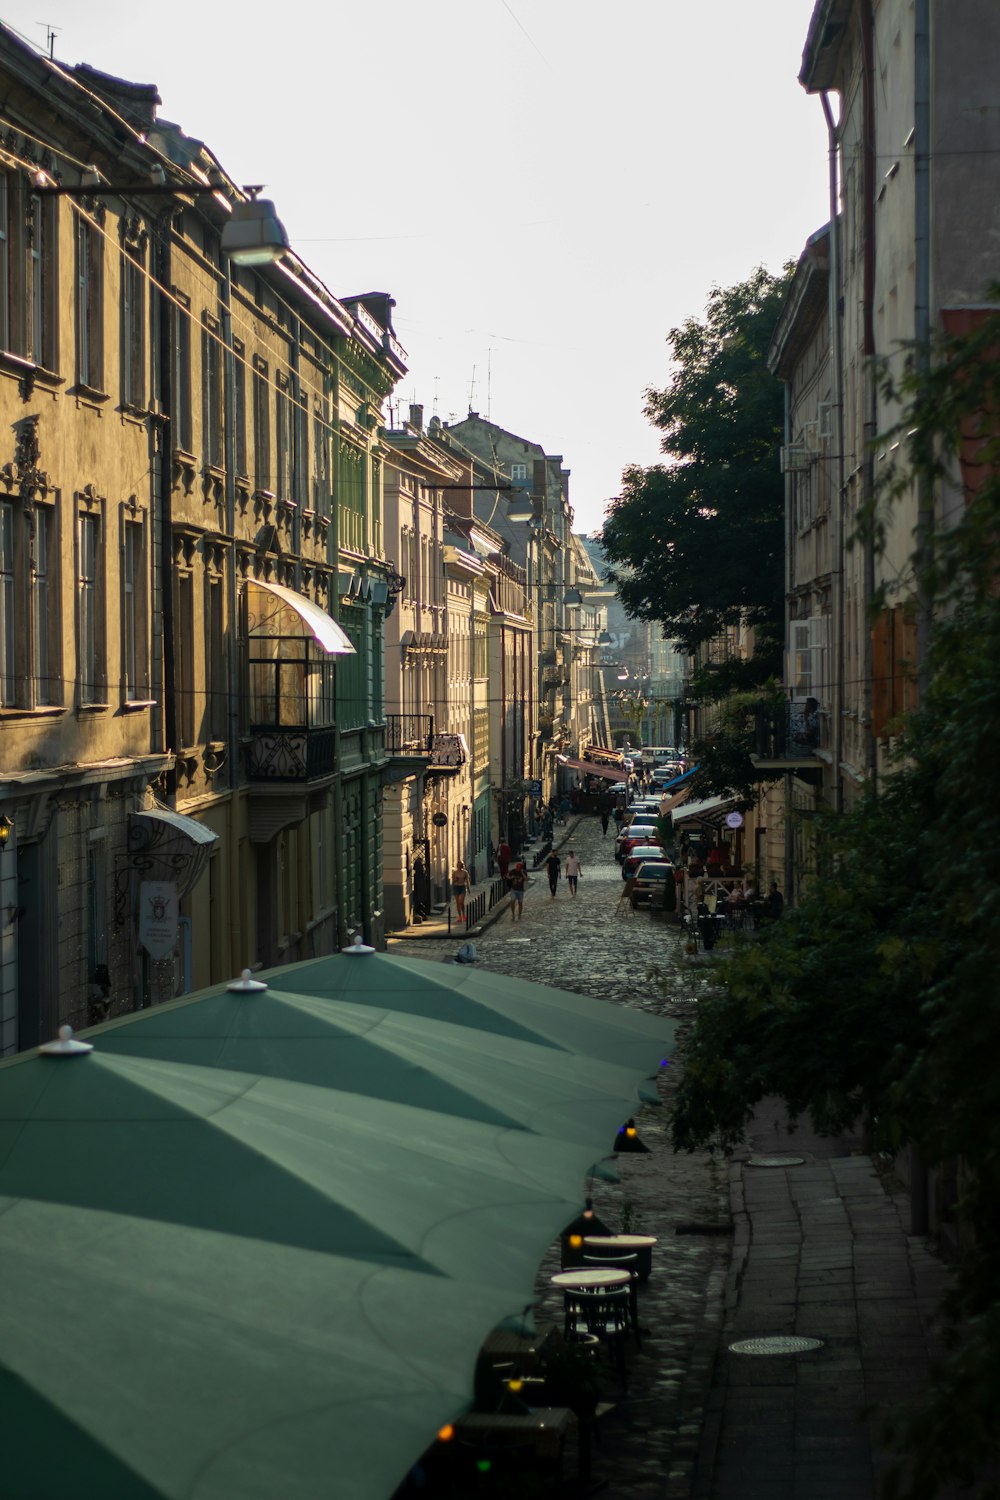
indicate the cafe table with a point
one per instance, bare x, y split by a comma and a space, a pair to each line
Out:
639, 1245
590, 1277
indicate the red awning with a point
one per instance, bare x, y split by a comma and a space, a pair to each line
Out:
590, 768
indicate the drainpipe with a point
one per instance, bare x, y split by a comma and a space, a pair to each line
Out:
237, 959
919, 1176
870, 407
837, 508
922, 301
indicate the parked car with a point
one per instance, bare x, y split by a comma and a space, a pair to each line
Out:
649, 880
640, 854
636, 836
641, 831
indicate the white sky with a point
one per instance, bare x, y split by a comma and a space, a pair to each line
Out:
546, 187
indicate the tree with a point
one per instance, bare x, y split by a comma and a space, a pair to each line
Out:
698, 541
876, 997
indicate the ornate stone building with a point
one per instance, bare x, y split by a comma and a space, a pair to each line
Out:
192, 570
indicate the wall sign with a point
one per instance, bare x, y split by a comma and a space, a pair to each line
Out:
439, 820
734, 820
158, 917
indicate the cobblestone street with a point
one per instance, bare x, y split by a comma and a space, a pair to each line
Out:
650, 1441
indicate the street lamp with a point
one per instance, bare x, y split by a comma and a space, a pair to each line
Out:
254, 235
521, 509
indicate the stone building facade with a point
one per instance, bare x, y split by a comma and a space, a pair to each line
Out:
192, 570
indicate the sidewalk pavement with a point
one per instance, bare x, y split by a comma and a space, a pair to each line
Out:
437, 926
821, 1250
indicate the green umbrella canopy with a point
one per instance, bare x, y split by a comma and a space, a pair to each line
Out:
245, 1254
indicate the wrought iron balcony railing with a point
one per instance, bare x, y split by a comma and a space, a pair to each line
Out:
409, 734
788, 731
291, 754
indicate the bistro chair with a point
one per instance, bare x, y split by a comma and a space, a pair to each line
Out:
603, 1315
624, 1261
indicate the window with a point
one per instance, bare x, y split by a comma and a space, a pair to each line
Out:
90, 634
135, 681
321, 467
240, 408
184, 654
217, 685
7, 663
40, 270
211, 394
5, 341
300, 451
519, 471
133, 327
44, 601
261, 427
182, 420
89, 304
283, 441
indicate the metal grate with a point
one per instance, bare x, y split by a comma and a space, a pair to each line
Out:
776, 1344
775, 1161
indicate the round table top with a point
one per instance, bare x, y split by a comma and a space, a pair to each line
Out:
592, 1276
631, 1241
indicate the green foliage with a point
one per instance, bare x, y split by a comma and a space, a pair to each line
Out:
724, 757
699, 540
876, 998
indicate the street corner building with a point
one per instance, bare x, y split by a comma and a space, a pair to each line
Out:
192, 565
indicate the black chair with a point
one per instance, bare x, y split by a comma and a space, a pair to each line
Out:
602, 1314
625, 1261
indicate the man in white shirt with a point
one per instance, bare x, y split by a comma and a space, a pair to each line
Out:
573, 868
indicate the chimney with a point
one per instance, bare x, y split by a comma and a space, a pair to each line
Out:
417, 417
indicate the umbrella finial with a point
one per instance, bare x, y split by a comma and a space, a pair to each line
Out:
356, 946
246, 984
67, 1045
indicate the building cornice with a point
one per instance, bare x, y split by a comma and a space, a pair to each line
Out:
820, 56
805, 306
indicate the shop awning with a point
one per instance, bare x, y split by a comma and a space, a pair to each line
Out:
166, 845
321, 626
590, 768
677, 780
708, 810
674, 801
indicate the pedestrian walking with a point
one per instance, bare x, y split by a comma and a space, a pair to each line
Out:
775, 903
574, 867
460, 883
553, 867
503, 858
517, 880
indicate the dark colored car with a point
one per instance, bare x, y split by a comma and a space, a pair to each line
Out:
650, 879
637, 833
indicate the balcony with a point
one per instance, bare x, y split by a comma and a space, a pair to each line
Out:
284, 755
409, 734
351, 530
788, 735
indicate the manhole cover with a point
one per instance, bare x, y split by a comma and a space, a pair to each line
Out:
776, 1161
776, 1344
